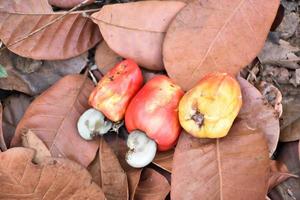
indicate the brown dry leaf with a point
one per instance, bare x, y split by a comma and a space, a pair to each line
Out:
14, 108
291, 110
279, 173
288, 154
164, 160
259, 114
105, 58
53, 117
280, 54
2, 140
67, 3
119, 147
108, 173
234, 167
33, 76
208, 36
61, 40
55, 178
140, 34
30, 140
152, 186
291, 132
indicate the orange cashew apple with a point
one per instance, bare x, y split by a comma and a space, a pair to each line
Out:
209, 109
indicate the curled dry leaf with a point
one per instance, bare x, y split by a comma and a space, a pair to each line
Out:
105, 58
67, 3
272, 95
52, 179
61, 40
30, 140
234, 167
53, 117
259, 114
2, 140
279, 173
152, 186
14, 108
288, 154
208, 36
33, 76
120, 148
164, 160
108, 173
140, 34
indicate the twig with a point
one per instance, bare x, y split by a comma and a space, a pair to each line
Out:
46, 25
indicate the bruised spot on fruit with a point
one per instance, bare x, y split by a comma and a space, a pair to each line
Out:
198, 118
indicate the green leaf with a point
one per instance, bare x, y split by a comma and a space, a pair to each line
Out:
3, 73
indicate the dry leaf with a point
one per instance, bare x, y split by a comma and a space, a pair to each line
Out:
61, 40
67, 3
30, 140
105, 58
281, 54
291, 110
140, 34
119, 147
53, 118
164, 160
148, 74
279, 173
288, 26
288, 154
108, 173
152, 186
234, 167
53, 179
2, 140
259, 114
32, 76
14, 108
208, 36
291, 132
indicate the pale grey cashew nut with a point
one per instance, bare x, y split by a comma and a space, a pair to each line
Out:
92, 123
142, 149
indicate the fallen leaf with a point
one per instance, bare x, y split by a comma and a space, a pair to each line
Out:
279, 173
67, 3
53, 117
281, 54
288, 26
233, 167
291, 110
288, 154
208, 36
105, 58
152, 186
164, 160
61, 40
140, 34
291, 132
259, 114
14, 108
108, 173
2, 141
119, 147
33, 76
55, 178
30, 140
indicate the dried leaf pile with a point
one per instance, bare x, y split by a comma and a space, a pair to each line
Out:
52, 51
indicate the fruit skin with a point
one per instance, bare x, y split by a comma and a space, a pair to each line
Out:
154, 110
217, 97
115, 90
